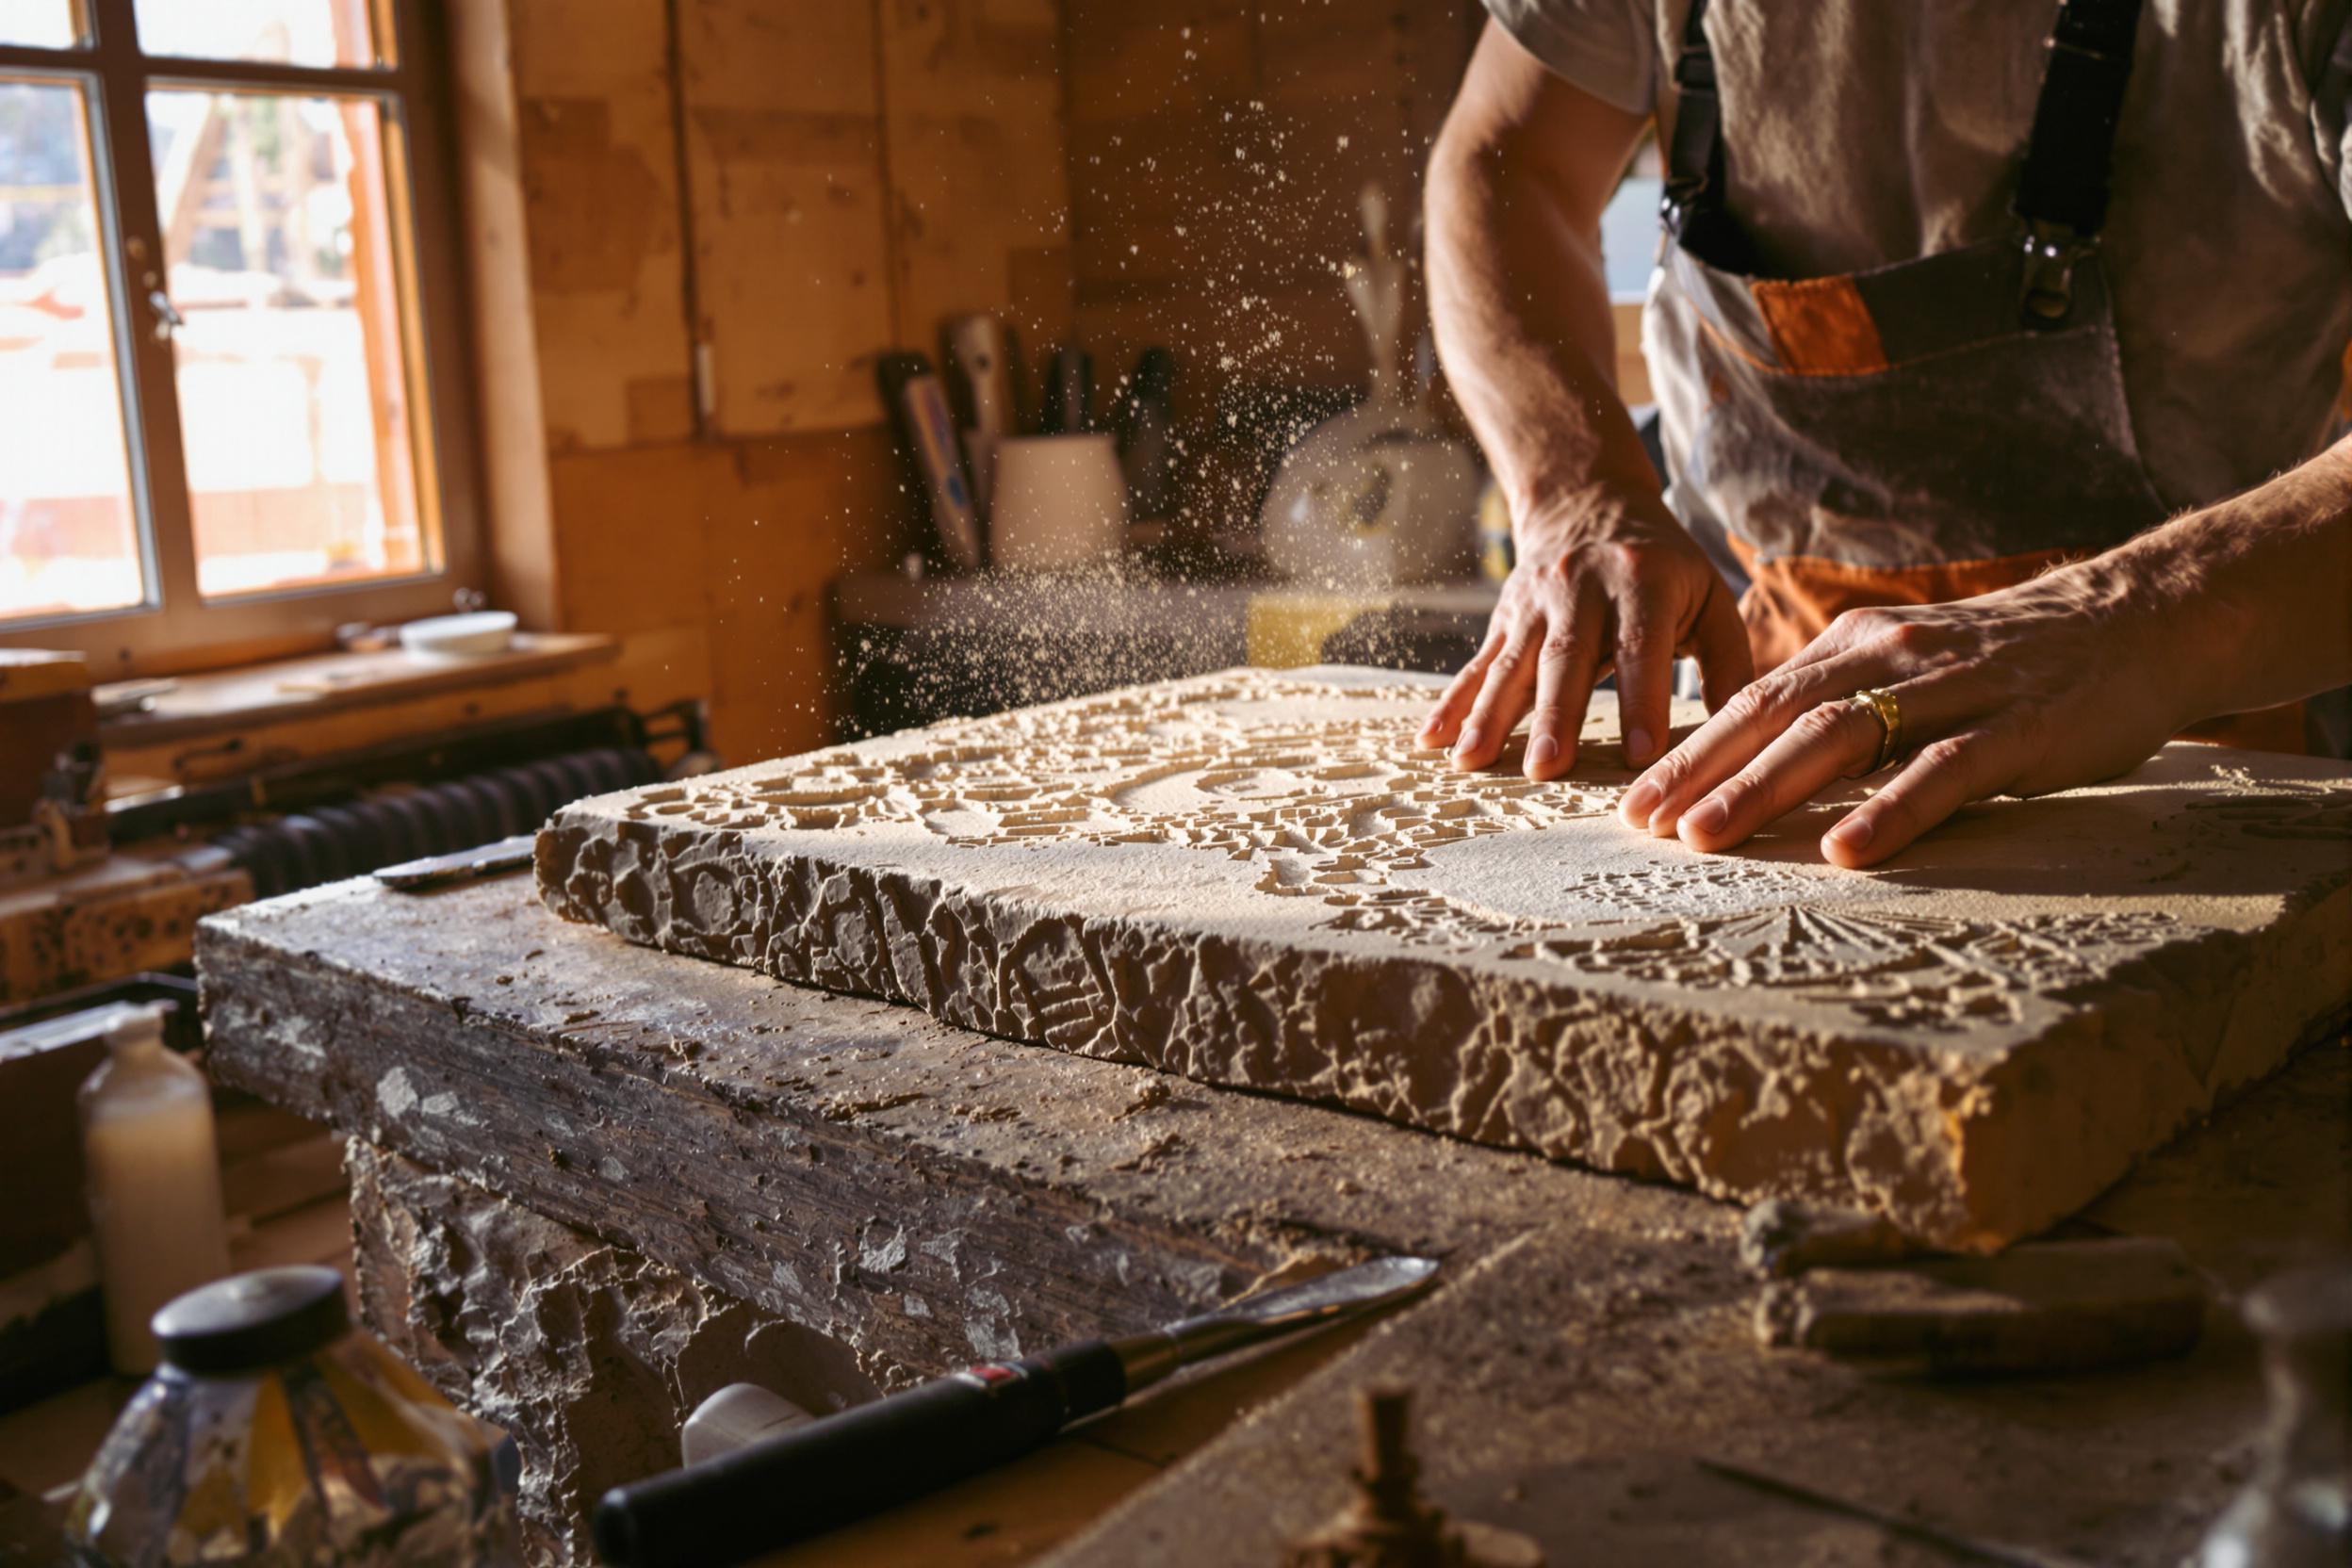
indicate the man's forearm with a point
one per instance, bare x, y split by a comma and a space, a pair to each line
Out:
2254, 592
1521, 307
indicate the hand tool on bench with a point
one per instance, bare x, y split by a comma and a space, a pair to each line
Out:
464, 865
829, 1473
2041, 1308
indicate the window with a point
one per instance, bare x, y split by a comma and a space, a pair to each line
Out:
231, 370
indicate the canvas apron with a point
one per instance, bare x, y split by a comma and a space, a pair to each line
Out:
1919, 432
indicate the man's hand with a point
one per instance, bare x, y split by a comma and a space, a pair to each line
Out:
1516, 187
1613, 585
2044, 686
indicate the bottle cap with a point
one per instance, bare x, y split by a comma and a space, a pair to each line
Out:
138, 1023
249, 1321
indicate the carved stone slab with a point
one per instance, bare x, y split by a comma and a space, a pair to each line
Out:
1252, 879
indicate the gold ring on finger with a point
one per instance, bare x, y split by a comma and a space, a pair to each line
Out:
1882, 706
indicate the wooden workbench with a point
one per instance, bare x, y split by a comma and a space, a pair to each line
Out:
593, 1182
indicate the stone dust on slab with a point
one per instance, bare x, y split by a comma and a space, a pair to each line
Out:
1255, 879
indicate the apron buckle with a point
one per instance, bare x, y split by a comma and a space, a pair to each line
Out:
2051, 251
1675, 204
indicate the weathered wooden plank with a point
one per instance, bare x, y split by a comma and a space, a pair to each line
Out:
1561, 1382
600, 206
589, 1356
972, 108
108, 919
781, 106
919, 1192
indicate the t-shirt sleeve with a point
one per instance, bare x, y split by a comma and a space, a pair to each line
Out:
1607, 47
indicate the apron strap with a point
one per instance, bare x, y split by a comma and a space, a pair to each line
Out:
1693, 207
1694, 159
2063, 188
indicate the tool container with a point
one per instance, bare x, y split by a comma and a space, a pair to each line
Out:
275, 1434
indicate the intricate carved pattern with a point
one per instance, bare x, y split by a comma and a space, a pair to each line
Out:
2279, 810
1312, 785
1669, 887
1254, 881
1886, 967
1326, 807
1428, 920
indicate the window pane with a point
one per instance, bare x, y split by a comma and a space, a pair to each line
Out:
294, 409
40, 24
284, 32
69, 541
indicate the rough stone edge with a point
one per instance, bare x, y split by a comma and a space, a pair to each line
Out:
590, 1356
1963, 1157
2177, 1036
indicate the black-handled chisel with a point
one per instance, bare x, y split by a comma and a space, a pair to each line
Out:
869, 1457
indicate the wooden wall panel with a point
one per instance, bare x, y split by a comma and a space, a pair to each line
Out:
599, 179
782, 112
1129, 63
797, 184
785, 519
629, 530
710, 550
734, 545
979, 183
1218, 149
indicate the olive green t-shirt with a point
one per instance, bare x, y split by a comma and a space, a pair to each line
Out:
1860, 133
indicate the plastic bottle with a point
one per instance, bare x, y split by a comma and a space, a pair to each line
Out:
154, 1170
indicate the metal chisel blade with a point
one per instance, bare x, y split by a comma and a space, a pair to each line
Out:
436, 871
1325, 1295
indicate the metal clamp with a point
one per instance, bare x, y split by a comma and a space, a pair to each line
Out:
2052, 251
168, 318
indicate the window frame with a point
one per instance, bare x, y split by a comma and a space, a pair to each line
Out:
176, 629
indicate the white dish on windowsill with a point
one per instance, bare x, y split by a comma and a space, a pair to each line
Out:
469, 636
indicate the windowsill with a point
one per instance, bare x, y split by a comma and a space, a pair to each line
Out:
251, 695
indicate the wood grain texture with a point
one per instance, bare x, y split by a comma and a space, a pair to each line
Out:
979, 189
1568, 1388
650, 669
917, 1192
589, 1356
1218, 149
592, 1355
112, 918
782, 108
601, 204
730, 546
